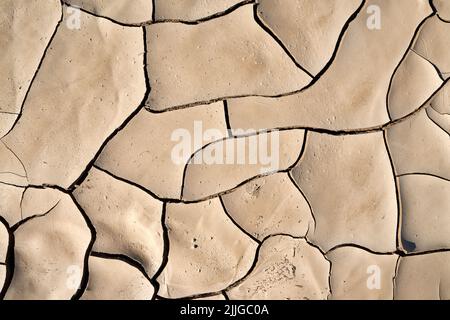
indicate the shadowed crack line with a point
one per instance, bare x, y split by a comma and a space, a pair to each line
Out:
358, 246
272, 34
37, 71
423, 174
399, 245
153, 19
421, 253
11, 184
394, 278
153, 11
85, 172
85, 278
10, 259
227, 119
207, 18
330, 289
442, 19
165, 258
21, 203
411, 43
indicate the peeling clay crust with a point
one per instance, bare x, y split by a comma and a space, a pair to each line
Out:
224, 149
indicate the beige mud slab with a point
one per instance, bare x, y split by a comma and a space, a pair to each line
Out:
287, 268
270, 205
150, 143
227, 57
424, 276
357, 274
224, 149
112, 279
35, 22
351, 94
207, 251
62, 237
309, 29
127, 220
350, 185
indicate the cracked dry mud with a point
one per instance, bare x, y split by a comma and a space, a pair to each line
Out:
93, 205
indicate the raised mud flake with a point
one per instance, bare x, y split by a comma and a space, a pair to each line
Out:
413, 84
224, 165
26, 28
418, 145
287, 268
423, 277
425, 212
224, 57
145, 151
366, 60
127, 220
111, 279
269, 205
308, 29
55, 148
207, 252
191, 10
433, 43
123, 11
49, 254
350, 185
441, 120
357, 274
10, 198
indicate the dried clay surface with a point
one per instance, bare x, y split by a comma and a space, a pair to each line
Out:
224, 149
